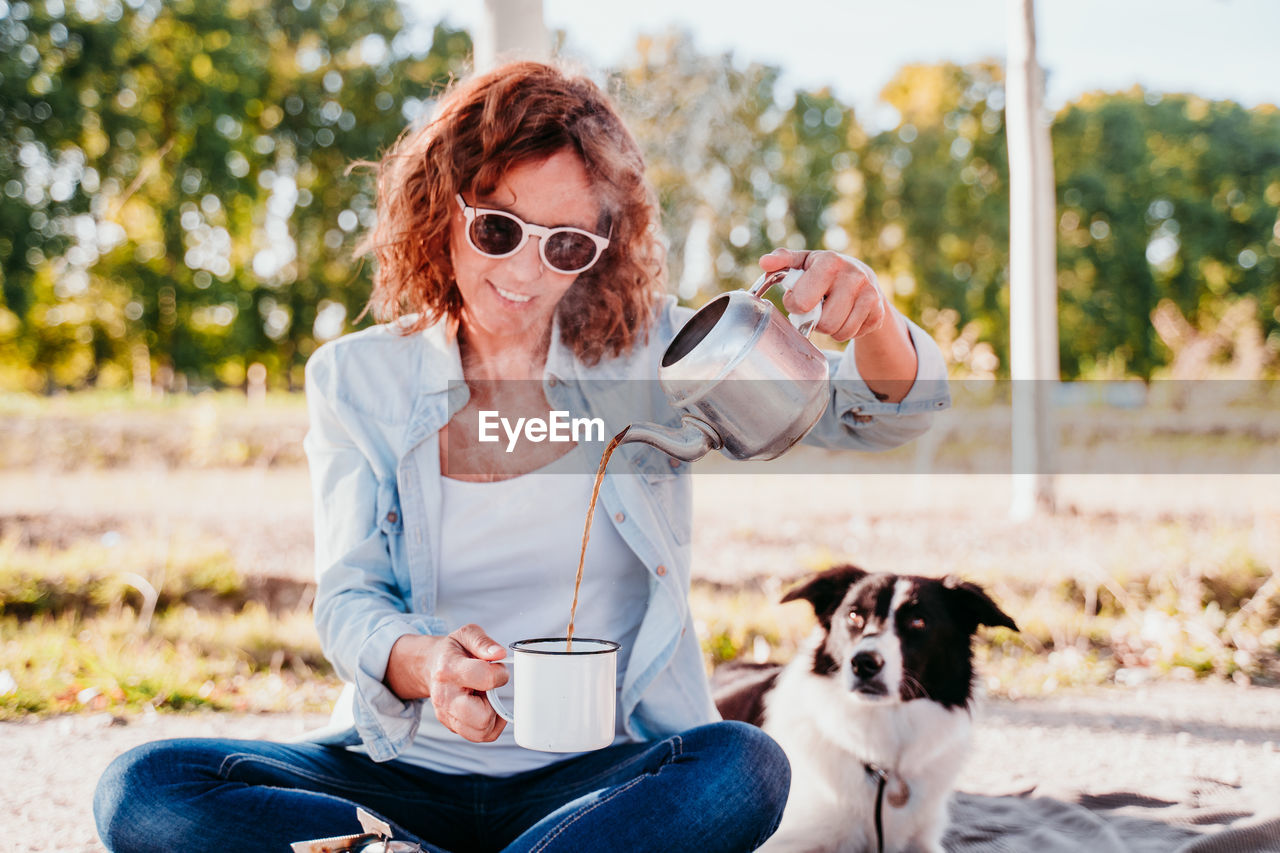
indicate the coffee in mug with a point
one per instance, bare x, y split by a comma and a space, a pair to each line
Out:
564, 699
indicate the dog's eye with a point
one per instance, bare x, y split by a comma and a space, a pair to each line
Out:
855, 620
916, 623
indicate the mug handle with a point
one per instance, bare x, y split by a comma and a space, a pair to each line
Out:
492, 694
803, 322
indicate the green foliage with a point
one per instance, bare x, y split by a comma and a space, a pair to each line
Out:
91, 579
176, 200
935, 211
175, 179
710, 134
186, 660
1162, 198
178, 627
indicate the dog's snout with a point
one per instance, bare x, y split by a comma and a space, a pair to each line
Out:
867, 664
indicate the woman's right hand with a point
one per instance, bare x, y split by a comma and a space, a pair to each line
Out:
453, 672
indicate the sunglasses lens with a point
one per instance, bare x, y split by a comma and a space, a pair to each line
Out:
495, 234
568, 251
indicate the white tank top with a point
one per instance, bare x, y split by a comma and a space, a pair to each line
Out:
508, 559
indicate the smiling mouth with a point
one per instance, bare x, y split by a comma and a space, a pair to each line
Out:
511, 297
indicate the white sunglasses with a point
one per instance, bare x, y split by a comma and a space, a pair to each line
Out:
499, 234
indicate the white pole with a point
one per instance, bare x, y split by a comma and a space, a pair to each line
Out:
509, 30
1033, 294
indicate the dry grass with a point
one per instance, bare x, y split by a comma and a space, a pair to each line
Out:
159, 562
185, 660
1220, 624
149, 626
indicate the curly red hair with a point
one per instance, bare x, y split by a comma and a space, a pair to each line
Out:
522, 112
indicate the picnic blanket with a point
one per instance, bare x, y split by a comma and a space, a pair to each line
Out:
1206, 819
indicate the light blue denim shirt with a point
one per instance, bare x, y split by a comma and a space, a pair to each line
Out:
377, 401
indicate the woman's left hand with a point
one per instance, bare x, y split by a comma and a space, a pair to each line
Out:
854, 304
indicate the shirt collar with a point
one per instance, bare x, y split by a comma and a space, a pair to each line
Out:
562, 364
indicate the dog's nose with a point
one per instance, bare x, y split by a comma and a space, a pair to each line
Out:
867, 664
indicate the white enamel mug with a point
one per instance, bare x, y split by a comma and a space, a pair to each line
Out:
564, 700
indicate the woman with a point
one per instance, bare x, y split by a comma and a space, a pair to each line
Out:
516, 240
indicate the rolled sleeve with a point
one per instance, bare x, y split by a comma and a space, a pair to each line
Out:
360, 610
857, 418
385, 722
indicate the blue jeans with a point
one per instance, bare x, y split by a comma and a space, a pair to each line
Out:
718, 787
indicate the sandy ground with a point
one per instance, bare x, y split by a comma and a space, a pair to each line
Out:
1173, 741
1184, 742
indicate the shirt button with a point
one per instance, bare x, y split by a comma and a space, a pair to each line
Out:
620, 517
552, 381
661, 570
392, 517
674, 463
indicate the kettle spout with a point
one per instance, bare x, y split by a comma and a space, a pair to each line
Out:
693, 440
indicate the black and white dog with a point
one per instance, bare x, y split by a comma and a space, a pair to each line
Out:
873, 713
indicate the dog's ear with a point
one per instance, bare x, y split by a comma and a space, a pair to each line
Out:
825, 591
973, 603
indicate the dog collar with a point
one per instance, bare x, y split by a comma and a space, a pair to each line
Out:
882, 780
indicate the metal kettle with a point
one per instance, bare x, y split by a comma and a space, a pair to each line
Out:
746, 381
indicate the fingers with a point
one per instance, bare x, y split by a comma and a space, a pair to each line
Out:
783, 259
462, 671
817, 285
464, 662
467, 673
867, 315
825, 276
853, 306
477, 643
467, 713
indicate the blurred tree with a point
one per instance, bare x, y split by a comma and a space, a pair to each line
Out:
708, 132
740, 165
174, 193
934, 211
174, 176
1162, 197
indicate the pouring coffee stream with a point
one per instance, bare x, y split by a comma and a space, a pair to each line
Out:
747, 381
586, 531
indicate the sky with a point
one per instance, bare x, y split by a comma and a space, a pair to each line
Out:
1214, 48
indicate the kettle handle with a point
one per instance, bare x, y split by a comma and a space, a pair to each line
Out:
804, 322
